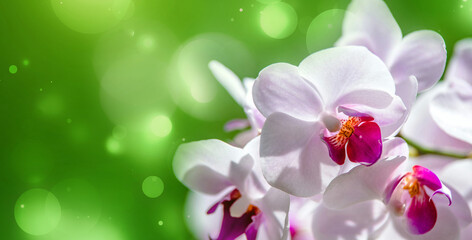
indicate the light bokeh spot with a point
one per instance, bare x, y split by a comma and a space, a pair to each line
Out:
464, 12
146, 42
13, 69
153, 187
325, 30
193, 86
133, 88
268, 1
161, 126
113, 145
91, 16
278, 20
37, 211
81, 206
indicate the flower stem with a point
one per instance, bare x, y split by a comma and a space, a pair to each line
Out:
424, 151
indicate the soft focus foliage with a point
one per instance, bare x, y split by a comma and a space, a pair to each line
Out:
96, 97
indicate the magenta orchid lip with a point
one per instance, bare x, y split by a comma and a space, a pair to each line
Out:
360, 137
233, 227
408, 197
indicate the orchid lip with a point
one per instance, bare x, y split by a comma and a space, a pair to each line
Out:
362, 137
410, 199
233, 227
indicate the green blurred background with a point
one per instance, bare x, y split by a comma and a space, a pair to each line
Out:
96, 95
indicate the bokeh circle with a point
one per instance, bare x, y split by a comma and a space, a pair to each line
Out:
37, 211
325, 30
278, 20
194, 88
153, 187
91, 16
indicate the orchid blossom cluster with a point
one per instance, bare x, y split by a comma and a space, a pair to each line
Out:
323, 155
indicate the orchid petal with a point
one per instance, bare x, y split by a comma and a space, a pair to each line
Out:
362, 183
293, 158
466, 232
349, 75
352, 112
229, 81
236, 124
390, 119
407, 91
279, 88
242, 138
300, 216
255, 117
394, 147
444, 190
459, 67
365, 144
458, 174
366, 97
421, 54
206, 166
389, 232
435, 163
199, 222
421, 214
453, 112
359, 221
421, 129
459, 207
256, 184
248, 84
275, 207
372, 20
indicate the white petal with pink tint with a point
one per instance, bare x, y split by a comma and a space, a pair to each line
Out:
229, 80
362, 183
207, 166
293, 158
452, 112
372, 20
349, 75
421, 54
423, 130
459, 66
275, 205
359, 221
280, 88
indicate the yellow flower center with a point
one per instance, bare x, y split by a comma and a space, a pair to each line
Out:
412, 185
348, 126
